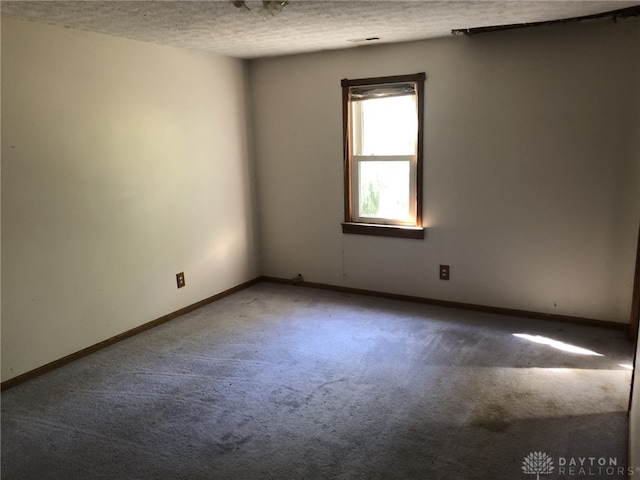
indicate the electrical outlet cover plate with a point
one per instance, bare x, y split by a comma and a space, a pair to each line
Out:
444, 272
180, 279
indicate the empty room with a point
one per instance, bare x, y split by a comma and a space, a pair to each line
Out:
320, 239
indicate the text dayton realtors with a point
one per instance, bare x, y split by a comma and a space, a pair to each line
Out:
592, 466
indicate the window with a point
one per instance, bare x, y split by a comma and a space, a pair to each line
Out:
382, 124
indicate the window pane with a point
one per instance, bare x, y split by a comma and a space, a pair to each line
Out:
389, 126
385, 190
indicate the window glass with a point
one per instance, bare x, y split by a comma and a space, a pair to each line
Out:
385, 190
388, 126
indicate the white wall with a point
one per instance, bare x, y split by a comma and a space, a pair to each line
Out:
531, 169
123, 163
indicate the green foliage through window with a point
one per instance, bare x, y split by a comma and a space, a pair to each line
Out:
371, 198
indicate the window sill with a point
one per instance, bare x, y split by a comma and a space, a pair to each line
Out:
383, 230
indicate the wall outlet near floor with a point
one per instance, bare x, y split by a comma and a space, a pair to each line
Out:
180, 279
444, 272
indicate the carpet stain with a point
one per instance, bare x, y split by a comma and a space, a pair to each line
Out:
455, 336
520, 396
552, 407
491, 417
325, 388
229, 442
287, 397
293, 399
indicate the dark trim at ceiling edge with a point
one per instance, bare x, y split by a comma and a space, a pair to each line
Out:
615, 15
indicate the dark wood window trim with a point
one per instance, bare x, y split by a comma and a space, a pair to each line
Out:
349, 226
383, 230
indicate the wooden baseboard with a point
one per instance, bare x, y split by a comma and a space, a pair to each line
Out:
462, 306
12, 382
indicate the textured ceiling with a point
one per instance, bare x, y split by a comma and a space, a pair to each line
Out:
302, 26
